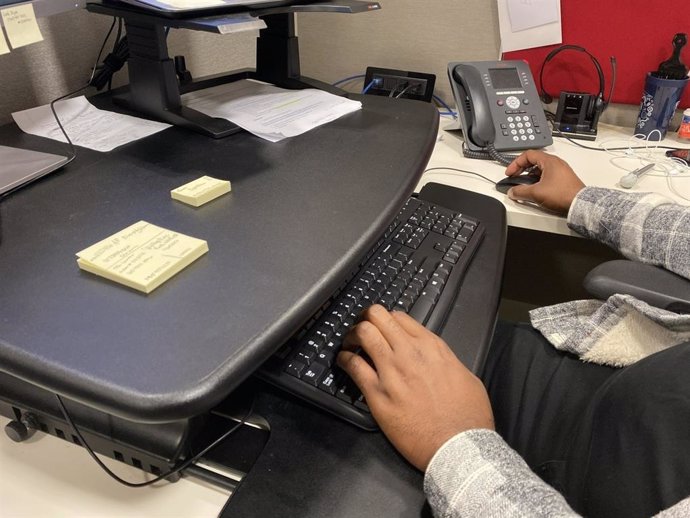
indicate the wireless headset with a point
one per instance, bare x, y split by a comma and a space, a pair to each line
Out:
599, 104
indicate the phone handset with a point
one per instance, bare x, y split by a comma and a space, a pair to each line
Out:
480, 130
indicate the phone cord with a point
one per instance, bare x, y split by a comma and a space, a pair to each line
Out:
489, 154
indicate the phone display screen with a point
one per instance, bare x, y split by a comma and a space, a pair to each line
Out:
505, 78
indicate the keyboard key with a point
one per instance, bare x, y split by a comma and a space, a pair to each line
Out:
306, 355
348, 392
313, 373
361, 403
404, 303
464, 235
295, 368
326, 358
328, 384
421, 309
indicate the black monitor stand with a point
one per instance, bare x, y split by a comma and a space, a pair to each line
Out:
155, 89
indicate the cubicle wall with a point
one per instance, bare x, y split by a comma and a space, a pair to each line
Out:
407, 34
404, 34
38, 73
410, 35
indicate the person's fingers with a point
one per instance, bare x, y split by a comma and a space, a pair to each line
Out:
523, 192
367, 336
388, 326
409, 324
525, 161
363, 374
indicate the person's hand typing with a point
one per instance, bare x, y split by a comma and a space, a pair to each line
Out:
418, 391
557, 186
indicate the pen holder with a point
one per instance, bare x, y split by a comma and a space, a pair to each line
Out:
659, 103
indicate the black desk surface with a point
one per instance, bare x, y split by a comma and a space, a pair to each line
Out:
301, 214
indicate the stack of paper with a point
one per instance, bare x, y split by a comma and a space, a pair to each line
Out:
142, 256
270, 112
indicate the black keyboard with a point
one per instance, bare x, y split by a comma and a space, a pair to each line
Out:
417, 267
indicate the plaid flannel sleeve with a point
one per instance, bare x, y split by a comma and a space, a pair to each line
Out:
476, 473
646, 227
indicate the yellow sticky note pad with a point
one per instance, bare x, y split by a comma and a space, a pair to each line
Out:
142, 256
4, 49
21, 25
200, 191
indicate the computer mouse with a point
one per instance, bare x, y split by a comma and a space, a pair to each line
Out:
511, 181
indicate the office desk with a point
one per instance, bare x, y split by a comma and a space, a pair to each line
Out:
545, 264
595, 168
301, 214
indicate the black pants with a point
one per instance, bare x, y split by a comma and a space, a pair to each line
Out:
614, 442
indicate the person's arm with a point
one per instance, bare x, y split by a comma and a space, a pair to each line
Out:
646, 227
477, 474
438, 415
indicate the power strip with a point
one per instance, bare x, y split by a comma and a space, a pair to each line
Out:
399, 84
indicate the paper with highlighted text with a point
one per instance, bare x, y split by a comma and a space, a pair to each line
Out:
270, 112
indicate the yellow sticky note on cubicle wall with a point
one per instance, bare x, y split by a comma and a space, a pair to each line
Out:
200, 191
21, 25
4, 48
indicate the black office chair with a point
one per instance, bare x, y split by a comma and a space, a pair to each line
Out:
651, 284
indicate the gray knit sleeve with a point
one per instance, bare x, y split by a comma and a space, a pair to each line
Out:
646, 227
477, 474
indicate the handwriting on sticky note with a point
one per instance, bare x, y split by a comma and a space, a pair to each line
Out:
142, 256
21, 25
200, 191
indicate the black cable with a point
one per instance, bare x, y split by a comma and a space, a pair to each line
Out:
460, 171
112, 63
185, 464
489, 154
501, 158
118, 38
72, 149
100, 51
613, 81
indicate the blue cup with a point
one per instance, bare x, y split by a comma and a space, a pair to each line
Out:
659, 103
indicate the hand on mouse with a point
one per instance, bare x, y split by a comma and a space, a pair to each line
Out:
557, 186
418, 391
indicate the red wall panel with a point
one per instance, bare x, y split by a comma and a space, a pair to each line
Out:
637, 32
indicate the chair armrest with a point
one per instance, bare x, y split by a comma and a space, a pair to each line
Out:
651, 284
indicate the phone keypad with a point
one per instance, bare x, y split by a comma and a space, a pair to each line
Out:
520, 127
